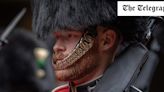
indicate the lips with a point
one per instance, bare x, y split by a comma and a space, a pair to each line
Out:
61, 63
58, 57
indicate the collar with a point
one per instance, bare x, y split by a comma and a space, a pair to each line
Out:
85, 87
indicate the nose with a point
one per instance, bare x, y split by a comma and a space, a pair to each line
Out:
59, 47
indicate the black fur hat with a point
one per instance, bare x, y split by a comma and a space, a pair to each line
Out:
50, 15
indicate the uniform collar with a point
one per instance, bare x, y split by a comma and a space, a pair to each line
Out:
84, 87
87, 86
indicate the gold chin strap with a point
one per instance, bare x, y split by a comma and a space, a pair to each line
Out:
72, 87
85, 43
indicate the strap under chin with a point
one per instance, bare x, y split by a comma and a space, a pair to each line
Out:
85, 43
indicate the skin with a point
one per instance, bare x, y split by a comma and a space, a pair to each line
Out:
93, 63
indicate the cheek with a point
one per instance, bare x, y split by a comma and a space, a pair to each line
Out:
71, 44
89, 61
70, 47
85, 65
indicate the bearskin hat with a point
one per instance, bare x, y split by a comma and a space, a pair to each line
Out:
53, 15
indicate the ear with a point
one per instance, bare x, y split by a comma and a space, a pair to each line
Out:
109, 39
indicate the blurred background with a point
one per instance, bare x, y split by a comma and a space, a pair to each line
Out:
25, 60
10, 8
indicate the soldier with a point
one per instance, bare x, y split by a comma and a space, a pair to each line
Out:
89, 36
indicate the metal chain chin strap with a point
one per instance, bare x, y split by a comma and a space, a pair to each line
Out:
85, 43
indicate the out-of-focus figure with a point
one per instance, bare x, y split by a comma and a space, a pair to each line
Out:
25, 64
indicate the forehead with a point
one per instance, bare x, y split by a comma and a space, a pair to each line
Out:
68, 31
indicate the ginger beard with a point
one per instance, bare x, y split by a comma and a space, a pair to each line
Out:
82, 67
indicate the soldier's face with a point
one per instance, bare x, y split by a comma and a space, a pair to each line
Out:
65, 43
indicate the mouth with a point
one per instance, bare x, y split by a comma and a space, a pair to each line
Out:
82, 47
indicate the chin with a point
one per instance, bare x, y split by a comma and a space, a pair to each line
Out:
68, 74
84, 66
75, 72
61, 76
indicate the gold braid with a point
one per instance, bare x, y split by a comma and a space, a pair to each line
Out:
86, 42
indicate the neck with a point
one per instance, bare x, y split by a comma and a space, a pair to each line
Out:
88, 78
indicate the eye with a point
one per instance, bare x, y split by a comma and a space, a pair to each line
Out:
56, 35
70, 35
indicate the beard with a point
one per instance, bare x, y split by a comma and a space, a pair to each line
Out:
82, 67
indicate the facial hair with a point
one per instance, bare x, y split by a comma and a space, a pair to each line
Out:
84, 66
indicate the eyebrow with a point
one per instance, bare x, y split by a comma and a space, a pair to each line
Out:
80, 29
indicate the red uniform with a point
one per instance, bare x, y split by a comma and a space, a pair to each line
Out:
63, 88
85, 87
